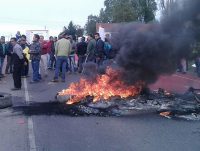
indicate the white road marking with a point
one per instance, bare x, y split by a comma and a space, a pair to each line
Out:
195, 80
31, 135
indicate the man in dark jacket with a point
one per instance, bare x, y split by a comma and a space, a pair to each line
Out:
99, 51
9, 65
81, 51
18, 60
3, 51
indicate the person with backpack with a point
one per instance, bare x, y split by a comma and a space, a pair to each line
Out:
107, 49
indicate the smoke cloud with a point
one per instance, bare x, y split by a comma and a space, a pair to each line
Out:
146, 51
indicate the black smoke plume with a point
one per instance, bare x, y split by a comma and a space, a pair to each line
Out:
146, 51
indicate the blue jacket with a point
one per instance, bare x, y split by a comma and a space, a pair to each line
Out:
99, 51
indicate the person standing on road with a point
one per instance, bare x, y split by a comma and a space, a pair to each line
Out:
52, 56
62, 52
91, 48
51, 51
18, 60
81, 52
25, 49
72, 65
107, 49
44, 55
99, 51
35, 55
9, 64
3, 51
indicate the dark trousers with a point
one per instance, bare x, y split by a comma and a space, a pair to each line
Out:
99, 58
1, 64
17, 69
61, 63
35, 66
9, 65
52, 61
90, 58
99, 61
81, 60
25, 68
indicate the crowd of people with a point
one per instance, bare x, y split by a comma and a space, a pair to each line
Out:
62, 54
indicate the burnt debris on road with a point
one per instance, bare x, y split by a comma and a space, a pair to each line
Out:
166, 104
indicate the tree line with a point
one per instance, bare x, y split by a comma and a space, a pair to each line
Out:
122, 11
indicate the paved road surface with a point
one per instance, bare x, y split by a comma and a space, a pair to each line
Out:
139, 132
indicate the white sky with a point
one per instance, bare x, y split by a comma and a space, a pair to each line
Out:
36, 14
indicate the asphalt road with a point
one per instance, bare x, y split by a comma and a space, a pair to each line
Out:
138, 132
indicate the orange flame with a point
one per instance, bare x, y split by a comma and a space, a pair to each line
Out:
104, 87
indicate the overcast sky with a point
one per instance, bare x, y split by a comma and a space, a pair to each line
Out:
36, 14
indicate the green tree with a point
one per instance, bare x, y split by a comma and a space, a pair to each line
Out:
90, 26
79, 31
103, 17
145, 9
71, 29
108, 11
128, 10
123, 11
117, 11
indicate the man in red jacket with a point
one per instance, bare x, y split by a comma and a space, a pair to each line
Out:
44, 56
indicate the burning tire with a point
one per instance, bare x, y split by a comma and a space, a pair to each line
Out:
5, 100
